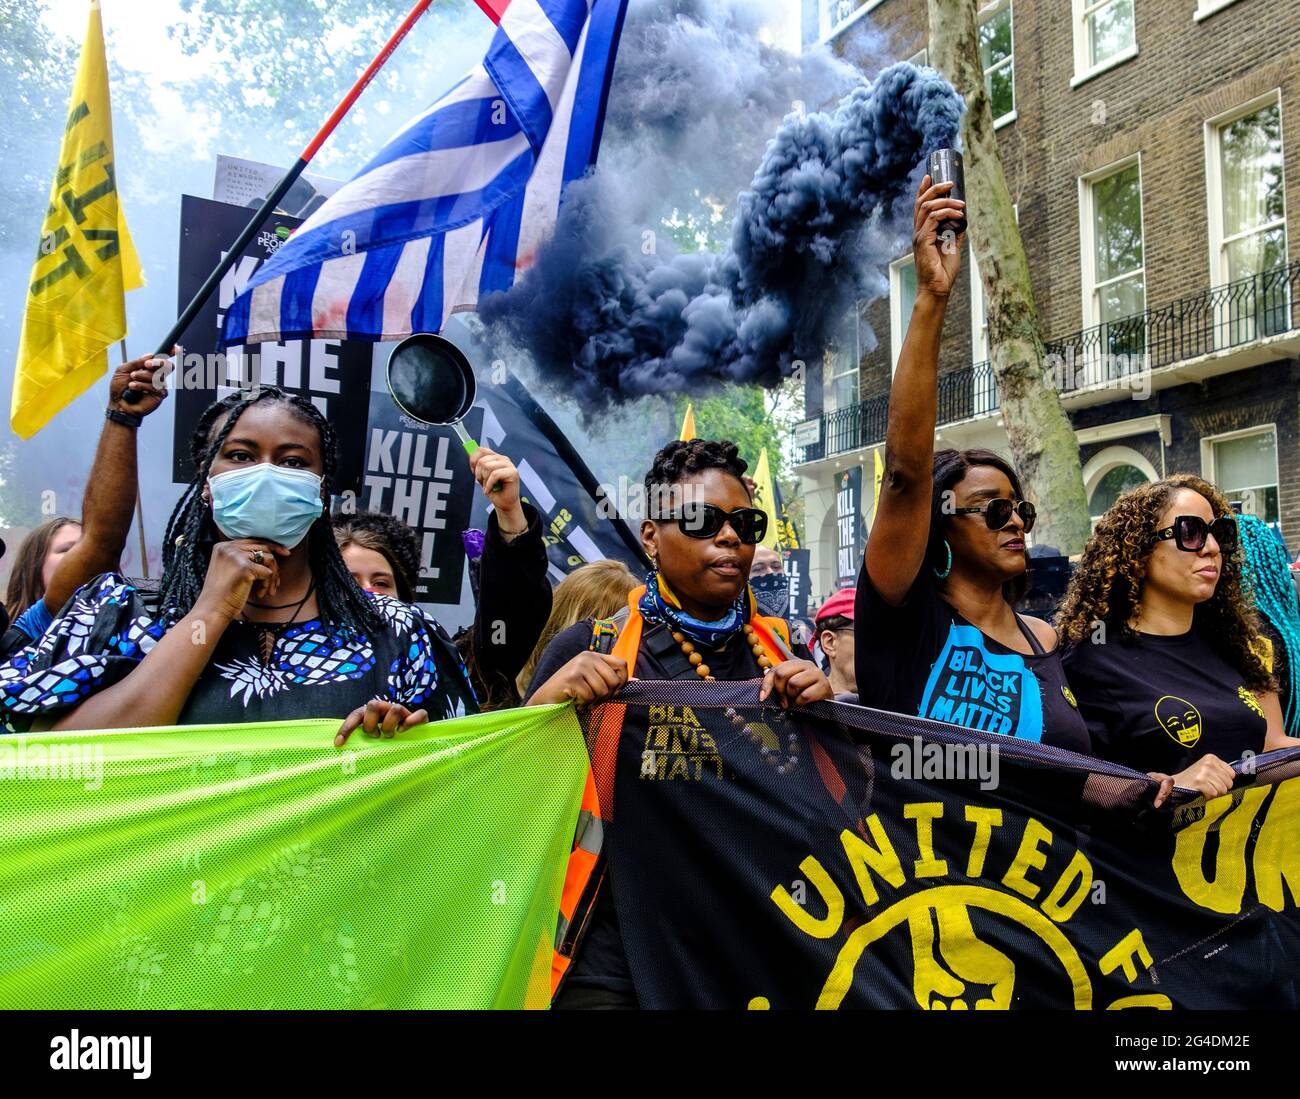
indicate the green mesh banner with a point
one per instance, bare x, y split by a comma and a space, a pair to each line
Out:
257, 866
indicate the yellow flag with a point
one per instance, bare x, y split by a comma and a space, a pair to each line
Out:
765, 500
688, 425
878, 480
86, 261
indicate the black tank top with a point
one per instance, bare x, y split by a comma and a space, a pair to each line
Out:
922, 657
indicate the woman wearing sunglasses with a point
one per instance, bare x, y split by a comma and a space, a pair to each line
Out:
937, 633
694, 618
1162, 643
701, 540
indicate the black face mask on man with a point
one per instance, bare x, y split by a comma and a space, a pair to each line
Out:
772, 593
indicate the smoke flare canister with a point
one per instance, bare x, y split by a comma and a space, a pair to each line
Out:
945, 166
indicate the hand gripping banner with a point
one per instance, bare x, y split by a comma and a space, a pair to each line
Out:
836, 857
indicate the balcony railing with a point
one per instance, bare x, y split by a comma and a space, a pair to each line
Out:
967, 393
1215, 320
1219, 319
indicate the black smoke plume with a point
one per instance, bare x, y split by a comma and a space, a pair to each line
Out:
612, 312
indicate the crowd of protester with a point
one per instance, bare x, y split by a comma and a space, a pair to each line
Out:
1174, 650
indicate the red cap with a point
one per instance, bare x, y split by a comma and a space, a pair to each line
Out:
841, 604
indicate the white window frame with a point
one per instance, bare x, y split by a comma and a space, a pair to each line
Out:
896, 320
1083, 67
1214, 183
985, 14
1087, 243
1206, 8
985, 400
831, 375
1209, 473
921, 57
979, 329
825, 33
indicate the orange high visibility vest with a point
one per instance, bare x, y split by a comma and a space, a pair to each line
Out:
581, 882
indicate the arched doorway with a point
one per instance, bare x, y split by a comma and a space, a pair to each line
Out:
1110, 474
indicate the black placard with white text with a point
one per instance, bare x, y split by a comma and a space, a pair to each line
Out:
848, 524
797, 564
421, 475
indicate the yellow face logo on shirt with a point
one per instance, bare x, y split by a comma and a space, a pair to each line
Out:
1180, 719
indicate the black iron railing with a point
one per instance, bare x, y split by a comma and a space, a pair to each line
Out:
1219, 319
967, 393
848, 429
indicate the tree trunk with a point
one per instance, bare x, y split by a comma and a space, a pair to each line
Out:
1043, 445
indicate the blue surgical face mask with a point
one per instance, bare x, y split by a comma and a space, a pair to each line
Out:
266, 501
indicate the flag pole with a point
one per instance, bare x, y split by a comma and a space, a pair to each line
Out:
139, 495
282, 188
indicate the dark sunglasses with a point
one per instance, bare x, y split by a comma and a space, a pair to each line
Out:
997, 513
705, 520
1189, 533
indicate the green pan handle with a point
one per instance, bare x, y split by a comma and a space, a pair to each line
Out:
469, 444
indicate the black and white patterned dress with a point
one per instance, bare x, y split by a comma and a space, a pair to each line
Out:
316, 668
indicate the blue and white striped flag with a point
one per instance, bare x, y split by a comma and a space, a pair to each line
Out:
457, 203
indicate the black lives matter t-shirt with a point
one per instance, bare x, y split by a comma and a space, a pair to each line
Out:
924, 658
1157, 703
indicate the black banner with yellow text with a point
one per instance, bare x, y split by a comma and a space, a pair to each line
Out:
842, 857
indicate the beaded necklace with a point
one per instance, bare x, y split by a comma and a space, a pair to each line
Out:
771, 756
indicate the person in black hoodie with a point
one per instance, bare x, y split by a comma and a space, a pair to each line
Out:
514, 595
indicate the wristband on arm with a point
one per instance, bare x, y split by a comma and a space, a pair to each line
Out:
126, 419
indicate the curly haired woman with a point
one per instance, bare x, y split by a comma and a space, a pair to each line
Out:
1162, 642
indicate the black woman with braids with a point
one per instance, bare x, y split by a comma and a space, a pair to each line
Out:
694, 618
257, 619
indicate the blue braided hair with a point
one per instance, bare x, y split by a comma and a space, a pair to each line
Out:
1268, 579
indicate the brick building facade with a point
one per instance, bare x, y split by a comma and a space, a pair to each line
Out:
1151, 151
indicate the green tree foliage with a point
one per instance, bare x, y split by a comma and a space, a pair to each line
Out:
738, 413
36, 71
292, 60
